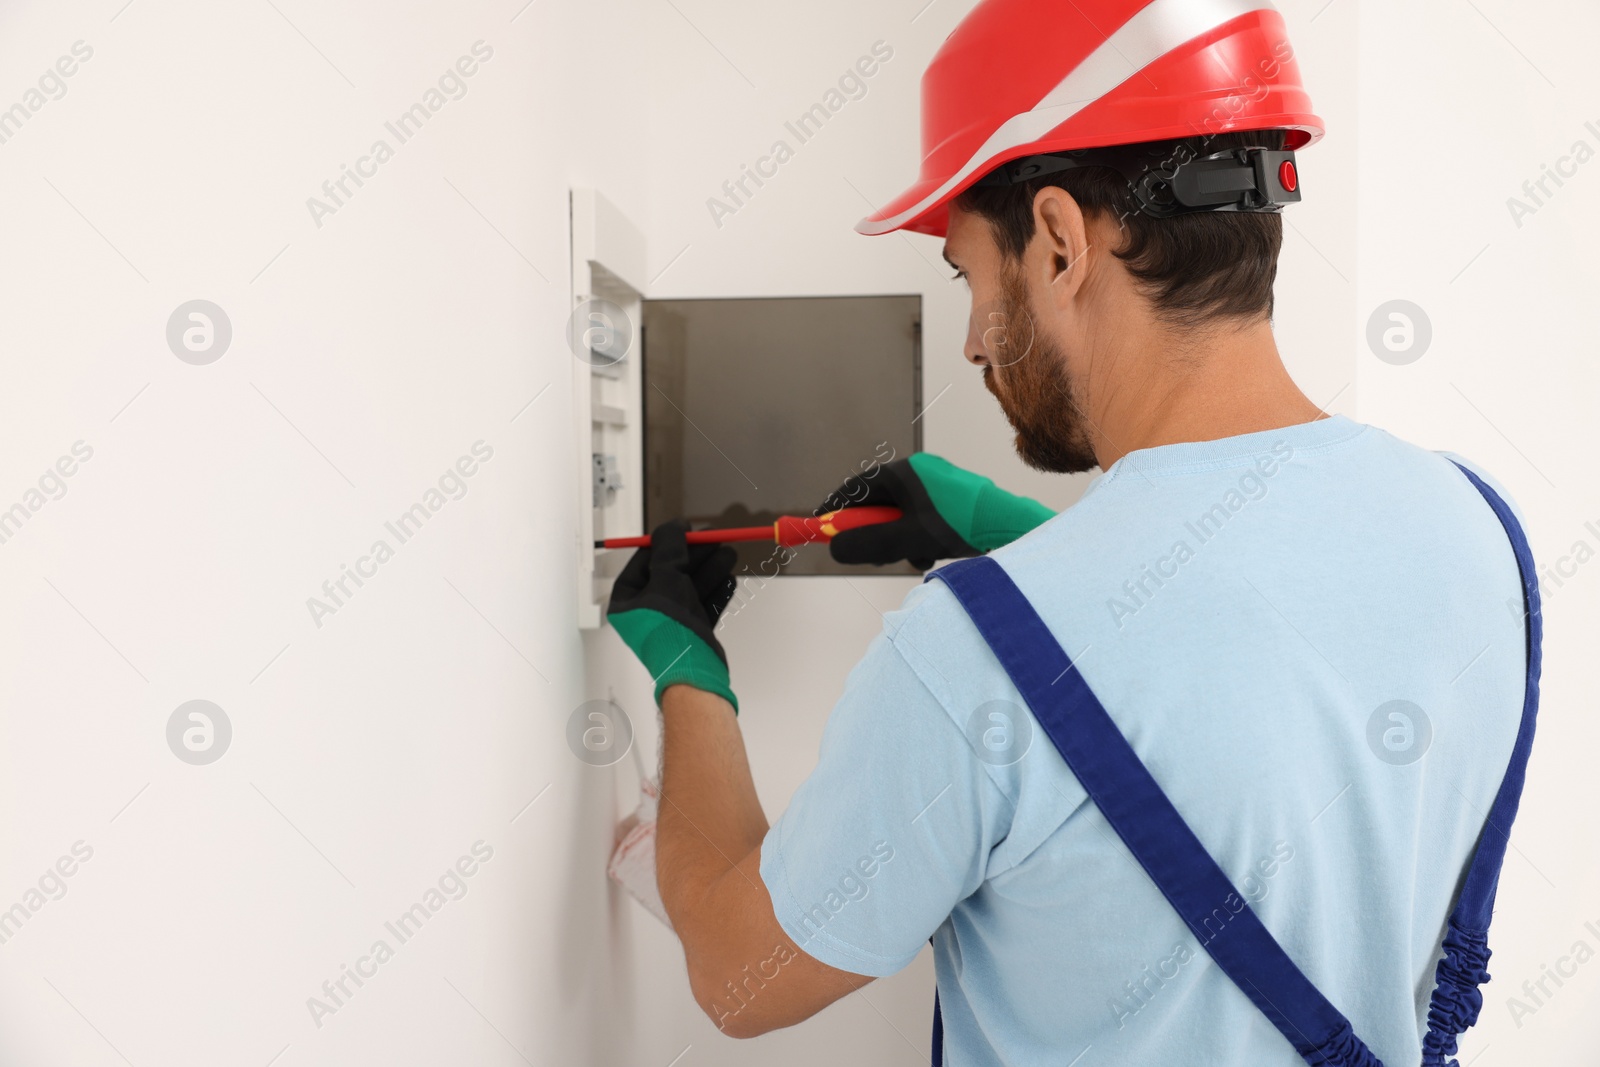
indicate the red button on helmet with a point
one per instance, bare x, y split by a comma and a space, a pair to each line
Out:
1025, 77
1287, 176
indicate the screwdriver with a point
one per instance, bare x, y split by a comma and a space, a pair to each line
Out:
788, 530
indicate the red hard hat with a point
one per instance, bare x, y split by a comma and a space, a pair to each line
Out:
1025, 77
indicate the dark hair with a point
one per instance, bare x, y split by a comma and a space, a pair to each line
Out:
1195, 268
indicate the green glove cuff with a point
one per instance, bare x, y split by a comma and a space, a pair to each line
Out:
673, 653
985, 515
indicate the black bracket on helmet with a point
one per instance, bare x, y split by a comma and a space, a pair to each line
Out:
1169, 178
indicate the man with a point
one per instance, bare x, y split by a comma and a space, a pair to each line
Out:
1283, 631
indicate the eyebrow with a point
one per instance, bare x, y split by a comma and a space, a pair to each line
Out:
945, 252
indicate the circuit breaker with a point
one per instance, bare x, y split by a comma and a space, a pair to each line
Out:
604, 337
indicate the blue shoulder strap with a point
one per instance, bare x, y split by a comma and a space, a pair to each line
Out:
1456, 999
1148, 824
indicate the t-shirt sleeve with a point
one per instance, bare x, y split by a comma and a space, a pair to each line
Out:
890, 831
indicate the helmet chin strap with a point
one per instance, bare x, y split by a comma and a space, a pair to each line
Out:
1167, 178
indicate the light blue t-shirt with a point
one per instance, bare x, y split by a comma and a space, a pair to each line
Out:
1310, 636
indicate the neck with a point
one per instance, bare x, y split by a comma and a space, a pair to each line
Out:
1164, 387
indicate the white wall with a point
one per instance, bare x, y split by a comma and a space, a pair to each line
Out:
371, 752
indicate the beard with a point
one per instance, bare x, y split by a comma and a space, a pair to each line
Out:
1028, 376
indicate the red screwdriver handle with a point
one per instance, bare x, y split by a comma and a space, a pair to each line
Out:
792, 530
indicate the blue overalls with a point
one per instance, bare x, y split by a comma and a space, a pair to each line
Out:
1153, 830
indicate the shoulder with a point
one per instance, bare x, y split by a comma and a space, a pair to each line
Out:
1488, 479
1408, 460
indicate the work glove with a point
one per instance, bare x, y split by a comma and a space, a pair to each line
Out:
665, 604
948, 513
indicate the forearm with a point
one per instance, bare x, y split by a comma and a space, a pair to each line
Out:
709, 819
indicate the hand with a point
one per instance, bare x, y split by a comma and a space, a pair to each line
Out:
665, 605
949, 512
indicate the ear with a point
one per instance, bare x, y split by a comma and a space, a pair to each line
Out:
1059, 225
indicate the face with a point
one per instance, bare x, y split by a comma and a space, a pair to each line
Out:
1024, 364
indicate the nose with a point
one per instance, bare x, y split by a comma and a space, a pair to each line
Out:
981, 324
987, 334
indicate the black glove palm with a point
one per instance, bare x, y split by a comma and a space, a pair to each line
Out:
665, 605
